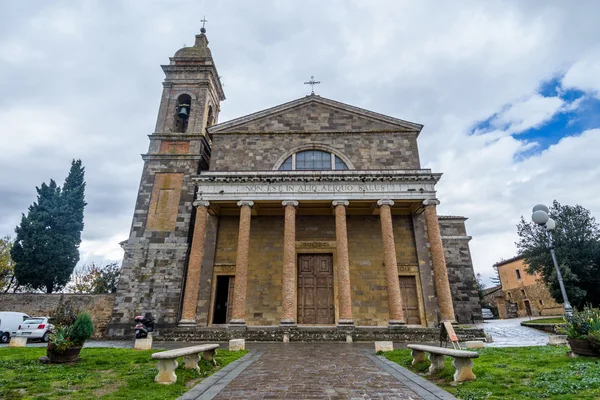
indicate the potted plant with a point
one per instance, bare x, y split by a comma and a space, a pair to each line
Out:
68, 339
583, 332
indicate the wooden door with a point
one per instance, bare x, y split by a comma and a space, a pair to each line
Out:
410, 300
315, 289
230, 297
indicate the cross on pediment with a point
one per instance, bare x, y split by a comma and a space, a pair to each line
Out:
312, 84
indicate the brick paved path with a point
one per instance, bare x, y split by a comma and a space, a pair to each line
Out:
315, 371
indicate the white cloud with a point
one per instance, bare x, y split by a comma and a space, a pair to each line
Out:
528, 113
584, 74
83, 80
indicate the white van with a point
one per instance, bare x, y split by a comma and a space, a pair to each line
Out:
9, 323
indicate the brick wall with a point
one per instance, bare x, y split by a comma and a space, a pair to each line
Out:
36, 304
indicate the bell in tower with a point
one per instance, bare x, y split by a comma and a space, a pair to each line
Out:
182, 111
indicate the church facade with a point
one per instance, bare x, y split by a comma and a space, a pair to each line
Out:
310, 213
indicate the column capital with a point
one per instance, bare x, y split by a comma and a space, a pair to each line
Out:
344, 203
431, 202
198, 203
248, 203
385, 202
286, 203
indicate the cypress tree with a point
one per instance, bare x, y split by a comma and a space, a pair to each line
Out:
46, 249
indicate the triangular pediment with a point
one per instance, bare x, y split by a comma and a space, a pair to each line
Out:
315, 114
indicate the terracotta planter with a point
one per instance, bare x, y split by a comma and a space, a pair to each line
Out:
582, 347
68, 356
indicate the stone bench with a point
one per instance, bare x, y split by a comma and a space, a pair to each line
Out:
168, 360
461, 360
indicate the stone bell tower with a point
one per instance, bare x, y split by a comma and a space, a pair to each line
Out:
157, 251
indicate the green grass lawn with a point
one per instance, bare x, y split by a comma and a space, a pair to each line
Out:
518, 373
553, 320
101, 373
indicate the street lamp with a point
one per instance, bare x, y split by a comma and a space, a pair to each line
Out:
540, 216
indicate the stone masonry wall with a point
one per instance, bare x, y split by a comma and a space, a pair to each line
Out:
534, 293
367, 274
460, 269
154, 263
41, 305
313, 117
366, 150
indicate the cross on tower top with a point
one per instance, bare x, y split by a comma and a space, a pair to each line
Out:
204, 21
312, 84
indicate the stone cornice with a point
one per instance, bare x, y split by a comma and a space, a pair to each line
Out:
194, 66
374, 131
456, 237
175, 136
417, 175
150, 157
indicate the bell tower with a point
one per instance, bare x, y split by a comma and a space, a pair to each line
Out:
156, 253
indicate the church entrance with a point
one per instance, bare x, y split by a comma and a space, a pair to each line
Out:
410, 300
315, 289
223, 299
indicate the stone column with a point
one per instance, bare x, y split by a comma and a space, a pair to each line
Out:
440, 273
288, 291
343, 265
391, 267
192, 280
238, 313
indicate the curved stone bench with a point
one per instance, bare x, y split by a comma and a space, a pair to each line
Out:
461, 360
168, 360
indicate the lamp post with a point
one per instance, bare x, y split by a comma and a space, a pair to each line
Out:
540, 216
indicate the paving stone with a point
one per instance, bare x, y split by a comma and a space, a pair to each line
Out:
315, 371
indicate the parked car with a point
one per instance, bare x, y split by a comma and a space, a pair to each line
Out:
486, 313
36, 328
9, 323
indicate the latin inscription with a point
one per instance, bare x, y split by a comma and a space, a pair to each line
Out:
313, 188
407, 268
315, 245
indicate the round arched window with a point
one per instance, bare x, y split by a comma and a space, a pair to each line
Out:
313, 160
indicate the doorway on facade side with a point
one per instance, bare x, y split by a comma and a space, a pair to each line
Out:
527, 307
223, 299
410, 300
315, 289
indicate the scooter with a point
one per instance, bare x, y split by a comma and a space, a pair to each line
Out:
144, 325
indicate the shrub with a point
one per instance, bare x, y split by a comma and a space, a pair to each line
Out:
72, 334
82, 329
63, 315
60, 341
583, 324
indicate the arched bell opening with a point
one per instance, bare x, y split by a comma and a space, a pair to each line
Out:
210, 120
182, 113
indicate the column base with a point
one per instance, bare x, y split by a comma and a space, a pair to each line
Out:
287, 323
396, 323
187, 322
237, 324
345, 323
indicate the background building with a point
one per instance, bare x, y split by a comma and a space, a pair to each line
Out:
523, 293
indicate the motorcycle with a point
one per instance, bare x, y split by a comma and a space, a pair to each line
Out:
144, 325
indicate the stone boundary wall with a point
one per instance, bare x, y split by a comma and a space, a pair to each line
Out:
402, 334
40, 304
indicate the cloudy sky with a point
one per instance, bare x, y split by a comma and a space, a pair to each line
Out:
509, 93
